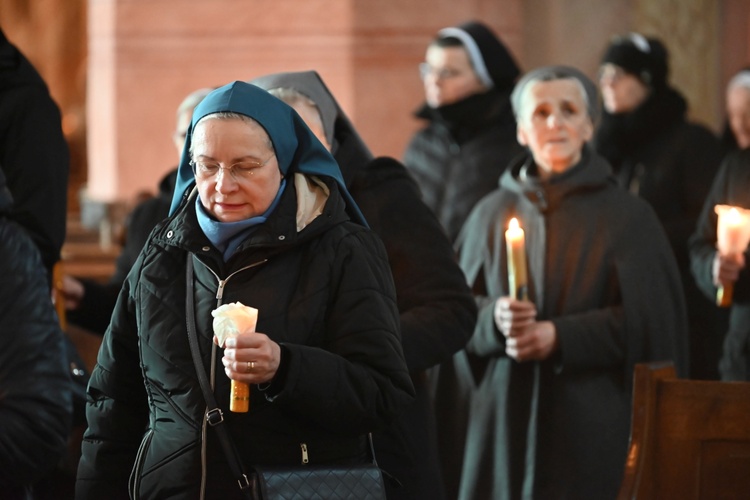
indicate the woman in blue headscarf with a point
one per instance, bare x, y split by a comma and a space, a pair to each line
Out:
262, 213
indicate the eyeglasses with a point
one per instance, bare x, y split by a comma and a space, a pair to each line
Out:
426, 70
242, 170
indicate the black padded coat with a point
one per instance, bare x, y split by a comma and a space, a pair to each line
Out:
324, 293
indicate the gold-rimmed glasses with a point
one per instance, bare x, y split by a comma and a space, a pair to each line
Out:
242, 170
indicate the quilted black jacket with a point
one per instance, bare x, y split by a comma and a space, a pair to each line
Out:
325, 293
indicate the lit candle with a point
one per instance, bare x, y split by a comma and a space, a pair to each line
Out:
515, 242
229, 321
732, 237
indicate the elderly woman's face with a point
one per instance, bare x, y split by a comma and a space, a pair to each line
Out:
738, 113
554, 123
250, 188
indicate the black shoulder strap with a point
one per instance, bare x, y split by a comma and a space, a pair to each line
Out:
214, 415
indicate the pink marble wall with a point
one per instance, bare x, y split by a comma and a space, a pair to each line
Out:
145, 55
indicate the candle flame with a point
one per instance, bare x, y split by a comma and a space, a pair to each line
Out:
513, 224
733, 216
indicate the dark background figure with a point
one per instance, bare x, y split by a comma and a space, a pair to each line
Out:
35, 394
89, 304
712, 269
33, 153
551, 415
657, 154
436, 307
470, 136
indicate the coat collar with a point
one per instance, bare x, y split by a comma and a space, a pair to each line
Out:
591, 172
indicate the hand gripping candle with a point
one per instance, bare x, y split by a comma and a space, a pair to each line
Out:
732, 237
515, 242
229, 321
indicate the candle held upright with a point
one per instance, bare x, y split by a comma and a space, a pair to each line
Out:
229, 321
732, 238
515, 241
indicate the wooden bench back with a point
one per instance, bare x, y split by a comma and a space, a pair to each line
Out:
690, 439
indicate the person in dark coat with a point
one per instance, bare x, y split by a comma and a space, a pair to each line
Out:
712, 269
470, 135
35, 394
262, 213
666, 160
28, 114
436, 306
89, 304
550, 417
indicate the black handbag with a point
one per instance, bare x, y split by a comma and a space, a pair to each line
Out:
302, 482
355, 482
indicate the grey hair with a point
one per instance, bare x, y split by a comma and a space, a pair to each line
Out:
551, 73
232, 115
741, 79
192, 100
291, 96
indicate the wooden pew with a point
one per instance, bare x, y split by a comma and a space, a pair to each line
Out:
690, 439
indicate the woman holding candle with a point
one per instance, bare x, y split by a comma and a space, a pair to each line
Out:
711, 268
551, 412
263, 217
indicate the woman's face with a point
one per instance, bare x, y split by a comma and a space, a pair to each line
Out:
738, 114
231, 196
554, 123
448, 76
311, 116
622, 92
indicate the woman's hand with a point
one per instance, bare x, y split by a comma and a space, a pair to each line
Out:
72, 292
251, 357
726, 268
525, 338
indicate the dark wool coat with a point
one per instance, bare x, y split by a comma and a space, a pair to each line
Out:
459, 156
33, 148
35, 394
669, 162
601, 270
325, 293
731, 187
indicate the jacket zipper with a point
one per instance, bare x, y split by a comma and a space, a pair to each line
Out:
204, 427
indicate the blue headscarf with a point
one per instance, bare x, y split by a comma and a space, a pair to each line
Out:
296, 147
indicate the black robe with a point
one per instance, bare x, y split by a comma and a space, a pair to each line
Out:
601, 269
